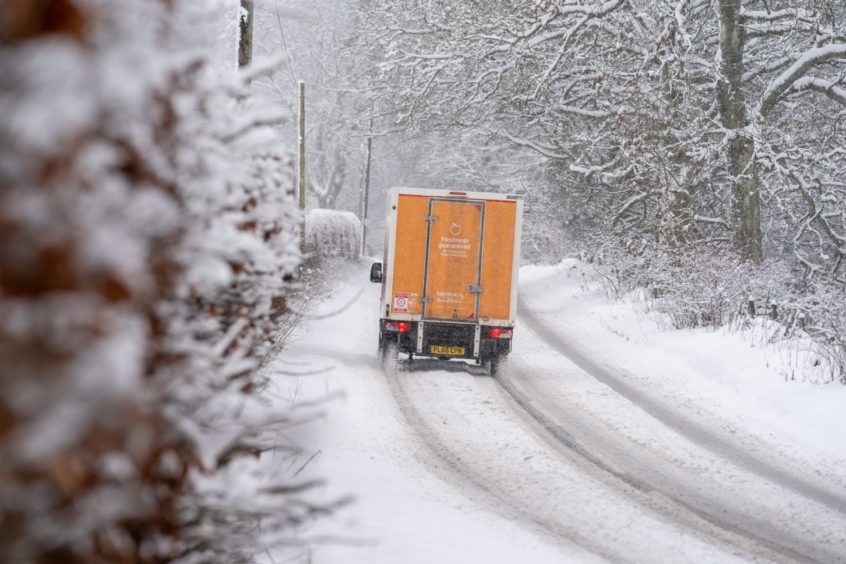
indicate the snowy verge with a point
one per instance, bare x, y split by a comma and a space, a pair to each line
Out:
730, 380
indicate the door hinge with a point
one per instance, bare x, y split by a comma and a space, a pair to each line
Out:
475, 288
430, 218
426, 300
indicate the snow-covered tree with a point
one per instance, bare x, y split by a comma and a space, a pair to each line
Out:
313, 40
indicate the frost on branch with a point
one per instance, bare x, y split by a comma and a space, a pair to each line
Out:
144, 236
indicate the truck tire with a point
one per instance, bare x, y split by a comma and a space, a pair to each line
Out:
495, 363
388, 351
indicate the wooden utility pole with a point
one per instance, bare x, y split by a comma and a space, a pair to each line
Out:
366, 191
301, 177
245, 36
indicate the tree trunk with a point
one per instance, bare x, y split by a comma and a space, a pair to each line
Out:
245, 36
742, 168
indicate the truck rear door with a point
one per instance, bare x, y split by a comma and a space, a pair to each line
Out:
452, 273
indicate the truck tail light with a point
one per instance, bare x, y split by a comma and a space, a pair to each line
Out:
499, 333
398, 326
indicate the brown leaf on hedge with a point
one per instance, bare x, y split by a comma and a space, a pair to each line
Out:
21, 20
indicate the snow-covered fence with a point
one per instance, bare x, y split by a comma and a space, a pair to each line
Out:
332, 234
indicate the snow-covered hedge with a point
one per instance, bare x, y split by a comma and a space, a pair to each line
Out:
332, 234
147, 220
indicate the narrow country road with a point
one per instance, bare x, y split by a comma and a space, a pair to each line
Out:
570, 451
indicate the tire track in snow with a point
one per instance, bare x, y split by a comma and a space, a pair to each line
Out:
503, 505
631, 500
684, 426
749, 533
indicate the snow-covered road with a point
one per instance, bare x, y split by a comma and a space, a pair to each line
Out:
599, 440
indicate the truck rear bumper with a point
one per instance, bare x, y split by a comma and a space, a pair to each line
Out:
444, 340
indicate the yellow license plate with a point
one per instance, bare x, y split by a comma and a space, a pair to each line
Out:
455, 351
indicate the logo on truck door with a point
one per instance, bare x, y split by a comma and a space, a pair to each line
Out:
455, 229
454, 247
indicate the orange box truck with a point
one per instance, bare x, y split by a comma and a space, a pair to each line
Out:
449, 276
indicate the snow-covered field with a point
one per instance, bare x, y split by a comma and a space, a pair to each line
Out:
605, 437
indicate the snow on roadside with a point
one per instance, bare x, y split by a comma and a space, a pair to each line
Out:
729, 380
403, 511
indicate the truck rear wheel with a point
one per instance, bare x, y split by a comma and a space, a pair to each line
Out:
388, 351
494, 363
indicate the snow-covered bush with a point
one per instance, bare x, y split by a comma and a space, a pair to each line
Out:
712, 289
817, 310
147, 222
